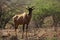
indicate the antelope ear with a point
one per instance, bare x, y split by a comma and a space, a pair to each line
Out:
33, 7
27, 7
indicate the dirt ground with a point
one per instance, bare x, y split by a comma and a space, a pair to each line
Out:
33, 34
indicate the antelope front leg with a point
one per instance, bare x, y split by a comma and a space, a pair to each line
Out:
26, 30
23, 31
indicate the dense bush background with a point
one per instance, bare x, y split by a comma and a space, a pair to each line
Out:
44, 25
43, 9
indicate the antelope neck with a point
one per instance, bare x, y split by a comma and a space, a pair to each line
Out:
29, 13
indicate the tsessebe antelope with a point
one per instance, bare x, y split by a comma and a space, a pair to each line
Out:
23, 19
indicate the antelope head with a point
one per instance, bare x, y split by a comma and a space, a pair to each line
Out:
30, 9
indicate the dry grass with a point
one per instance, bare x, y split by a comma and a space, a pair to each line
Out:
33, 34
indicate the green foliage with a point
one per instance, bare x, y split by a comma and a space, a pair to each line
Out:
43, 8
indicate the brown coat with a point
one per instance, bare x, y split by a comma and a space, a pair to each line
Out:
22, 18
